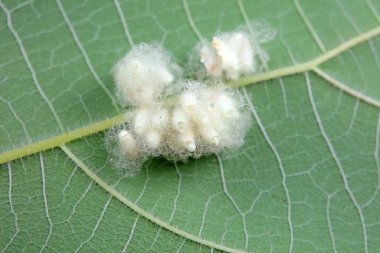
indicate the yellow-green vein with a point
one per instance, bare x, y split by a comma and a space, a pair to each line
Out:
59, 139
138, 209
105, 124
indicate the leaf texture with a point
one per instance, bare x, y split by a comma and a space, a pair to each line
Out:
306, 180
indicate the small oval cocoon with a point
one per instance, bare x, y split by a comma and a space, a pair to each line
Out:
188, 141
128, 143
180, 120
160, 119
227, 106
141, 122
153, 138
210, 135
189, 102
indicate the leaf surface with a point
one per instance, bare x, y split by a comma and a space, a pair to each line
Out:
306, 180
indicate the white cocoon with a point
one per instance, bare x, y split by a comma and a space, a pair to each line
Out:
145, 96
188, 118
164, 77
210, 135
231, 54
229, 57
153, 138
142, 74
211, 61
160, 119
188, 141
180, 120
189, 102
227, 106
141, 122
244, 51
128, 143
200, 117
219, 122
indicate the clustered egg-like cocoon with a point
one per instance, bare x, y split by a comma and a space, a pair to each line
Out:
142, 74
199, 120
168, 116
232, 54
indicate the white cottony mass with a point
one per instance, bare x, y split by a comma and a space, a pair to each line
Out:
142, 74
231, 54
176, 118
234, 54
194, 124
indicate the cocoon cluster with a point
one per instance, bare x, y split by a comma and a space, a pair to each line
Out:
168, 116
171, 117
230, 54
142, 74
233, 54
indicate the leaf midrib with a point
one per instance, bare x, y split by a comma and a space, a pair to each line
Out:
311, 65
139, 210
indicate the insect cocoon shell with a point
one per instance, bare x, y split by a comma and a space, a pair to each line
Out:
141, 121
209, 98
201, 117
142, 74
233, 54
211, 61
189, 102
219, 122
230, 62
240, 44
128, 143
227, 106
153, 138
180, 120
164, 76
159, 119
210, 135
188, 141
191, 105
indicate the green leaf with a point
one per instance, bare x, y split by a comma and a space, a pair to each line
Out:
306, 180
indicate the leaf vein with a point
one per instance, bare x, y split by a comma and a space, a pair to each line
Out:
268, 75
309, 65
377, 162
131, 234
138, 209
178, 191
123, 22
232, 200
279, 162
30, 67
96, 225
373, 10
12, 209
45, 203
346, 88
309, 26
191, 21
337, 162
84, 53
